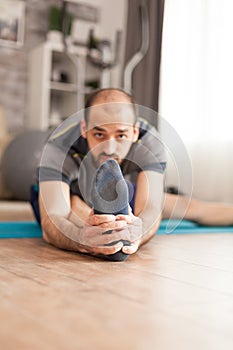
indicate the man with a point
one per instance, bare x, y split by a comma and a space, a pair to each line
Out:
73, 155
109, 131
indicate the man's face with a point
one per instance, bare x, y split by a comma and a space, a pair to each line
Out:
110, 132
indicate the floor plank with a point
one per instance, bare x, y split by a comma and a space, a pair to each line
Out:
13, 210
176, 292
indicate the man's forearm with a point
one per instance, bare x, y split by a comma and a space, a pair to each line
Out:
62, 233
150, 225
148, 203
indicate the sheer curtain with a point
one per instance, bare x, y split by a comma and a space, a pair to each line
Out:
196, 91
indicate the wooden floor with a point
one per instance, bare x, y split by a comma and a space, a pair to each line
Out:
175, 293
16, 211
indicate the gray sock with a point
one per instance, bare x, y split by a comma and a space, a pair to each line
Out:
109, 189
110, 196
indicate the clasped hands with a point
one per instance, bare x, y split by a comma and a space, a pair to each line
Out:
105, 233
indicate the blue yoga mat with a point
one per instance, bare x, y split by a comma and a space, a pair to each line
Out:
189, 227
167, 227
20, 230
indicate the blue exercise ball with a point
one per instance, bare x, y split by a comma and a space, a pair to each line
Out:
20, 161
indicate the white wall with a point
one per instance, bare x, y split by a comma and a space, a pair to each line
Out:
113, 17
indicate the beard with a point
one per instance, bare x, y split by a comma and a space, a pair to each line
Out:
102, 157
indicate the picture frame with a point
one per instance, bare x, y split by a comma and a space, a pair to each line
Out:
12, 22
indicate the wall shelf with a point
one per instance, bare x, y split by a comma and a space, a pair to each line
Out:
56, 85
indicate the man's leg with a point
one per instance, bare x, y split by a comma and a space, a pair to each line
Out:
34, 195
202, 212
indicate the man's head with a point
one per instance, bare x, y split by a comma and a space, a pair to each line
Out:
110, 124
109, 95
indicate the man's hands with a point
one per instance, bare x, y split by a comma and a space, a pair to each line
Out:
104, 233
134, 226
81, 230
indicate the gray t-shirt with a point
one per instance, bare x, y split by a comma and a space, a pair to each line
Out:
66, 157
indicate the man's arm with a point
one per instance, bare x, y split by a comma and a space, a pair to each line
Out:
149, 201
55, 209
78, 229
148, 208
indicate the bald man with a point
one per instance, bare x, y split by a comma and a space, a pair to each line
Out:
73, 158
